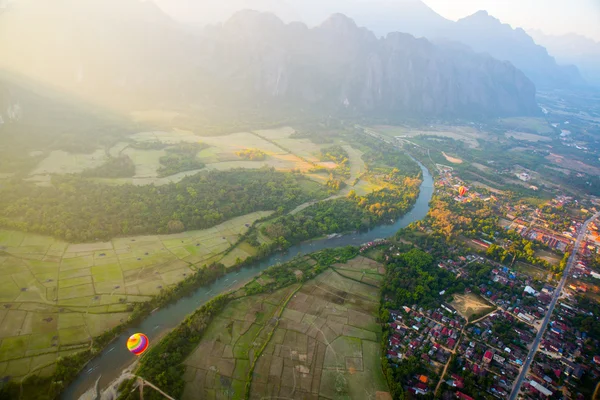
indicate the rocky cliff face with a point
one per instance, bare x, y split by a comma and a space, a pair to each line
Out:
341, 66
11, 110
126, 54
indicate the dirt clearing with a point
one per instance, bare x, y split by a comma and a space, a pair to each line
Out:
451, 159
471, 304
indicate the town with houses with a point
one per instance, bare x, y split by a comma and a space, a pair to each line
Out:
534, 334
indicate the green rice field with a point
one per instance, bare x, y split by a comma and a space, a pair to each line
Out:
314, 340
56, 296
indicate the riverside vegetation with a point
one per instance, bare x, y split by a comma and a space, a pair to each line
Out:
314, 306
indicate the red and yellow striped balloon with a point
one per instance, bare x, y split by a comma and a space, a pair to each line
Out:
138, 343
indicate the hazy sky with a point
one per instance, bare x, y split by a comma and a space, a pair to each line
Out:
551, 16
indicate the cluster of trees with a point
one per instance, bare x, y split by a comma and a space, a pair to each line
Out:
518, 248
396, 374
116, 167
557, 217
252, 154
414, 278
353, 213
338, 155
506, 331
78, 210
437, 244
381, 157
390, 201
334, 184
339, 215
180, 158
470, 219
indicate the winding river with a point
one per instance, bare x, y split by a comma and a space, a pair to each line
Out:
108, 365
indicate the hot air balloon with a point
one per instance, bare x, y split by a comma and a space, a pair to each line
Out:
462, 190
138, 343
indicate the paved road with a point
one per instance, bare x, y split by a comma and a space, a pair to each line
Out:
544, 325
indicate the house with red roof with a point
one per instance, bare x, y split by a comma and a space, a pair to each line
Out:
460, 395
487, 357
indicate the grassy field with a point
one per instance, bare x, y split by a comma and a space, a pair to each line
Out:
471, 304
304, 148
552, 258
283, 153
531, 270
539, 125
56, 295
315, 340
573, 164
147, 162
224, 148
465, 134
222, 153
484, 186
61, 162
529, 137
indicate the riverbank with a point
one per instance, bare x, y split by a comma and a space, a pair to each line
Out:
109, 364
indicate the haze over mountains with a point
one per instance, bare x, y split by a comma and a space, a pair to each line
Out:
573, 49
339, 63
480, 31
130, 55
484, 33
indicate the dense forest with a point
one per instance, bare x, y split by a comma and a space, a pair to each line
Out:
78, 210
414, 278
345, 214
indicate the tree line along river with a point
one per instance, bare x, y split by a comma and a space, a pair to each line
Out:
109, 364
